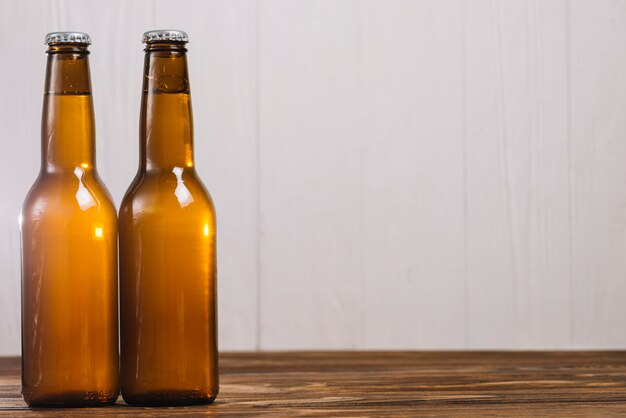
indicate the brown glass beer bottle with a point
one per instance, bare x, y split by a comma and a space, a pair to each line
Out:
167, 246
69, 248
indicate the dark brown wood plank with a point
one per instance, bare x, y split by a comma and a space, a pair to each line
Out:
389, 384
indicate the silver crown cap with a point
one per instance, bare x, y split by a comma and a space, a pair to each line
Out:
164, 35
68, 38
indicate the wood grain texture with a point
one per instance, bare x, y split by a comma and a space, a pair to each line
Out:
389, 384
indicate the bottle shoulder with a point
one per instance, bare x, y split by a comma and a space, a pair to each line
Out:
68, 193
177, 191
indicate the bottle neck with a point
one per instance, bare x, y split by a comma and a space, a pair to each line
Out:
67, 128
166, 125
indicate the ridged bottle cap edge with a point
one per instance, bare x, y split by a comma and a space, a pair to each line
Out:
164, 35
68, 38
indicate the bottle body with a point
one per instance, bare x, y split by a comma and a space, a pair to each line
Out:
69, 254
168, 292
167, 251
69, 294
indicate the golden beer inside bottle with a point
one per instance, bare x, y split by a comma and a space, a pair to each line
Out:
69, 252
167, 250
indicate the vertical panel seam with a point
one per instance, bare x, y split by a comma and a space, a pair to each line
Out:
504, 162
358, 343
257, 128
570, 185
465, 183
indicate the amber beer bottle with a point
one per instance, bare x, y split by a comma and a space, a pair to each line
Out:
69, 248
167, 246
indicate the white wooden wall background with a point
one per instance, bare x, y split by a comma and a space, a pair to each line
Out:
388, 174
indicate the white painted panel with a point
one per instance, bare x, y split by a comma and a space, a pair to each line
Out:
516, 162
223, 76
222, 71
310, 174
421, 174
598, 165
411, 153
544, 285
20, 122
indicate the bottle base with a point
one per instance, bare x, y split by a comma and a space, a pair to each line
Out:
71, 399
171, 398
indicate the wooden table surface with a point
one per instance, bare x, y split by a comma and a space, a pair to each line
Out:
388, 383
